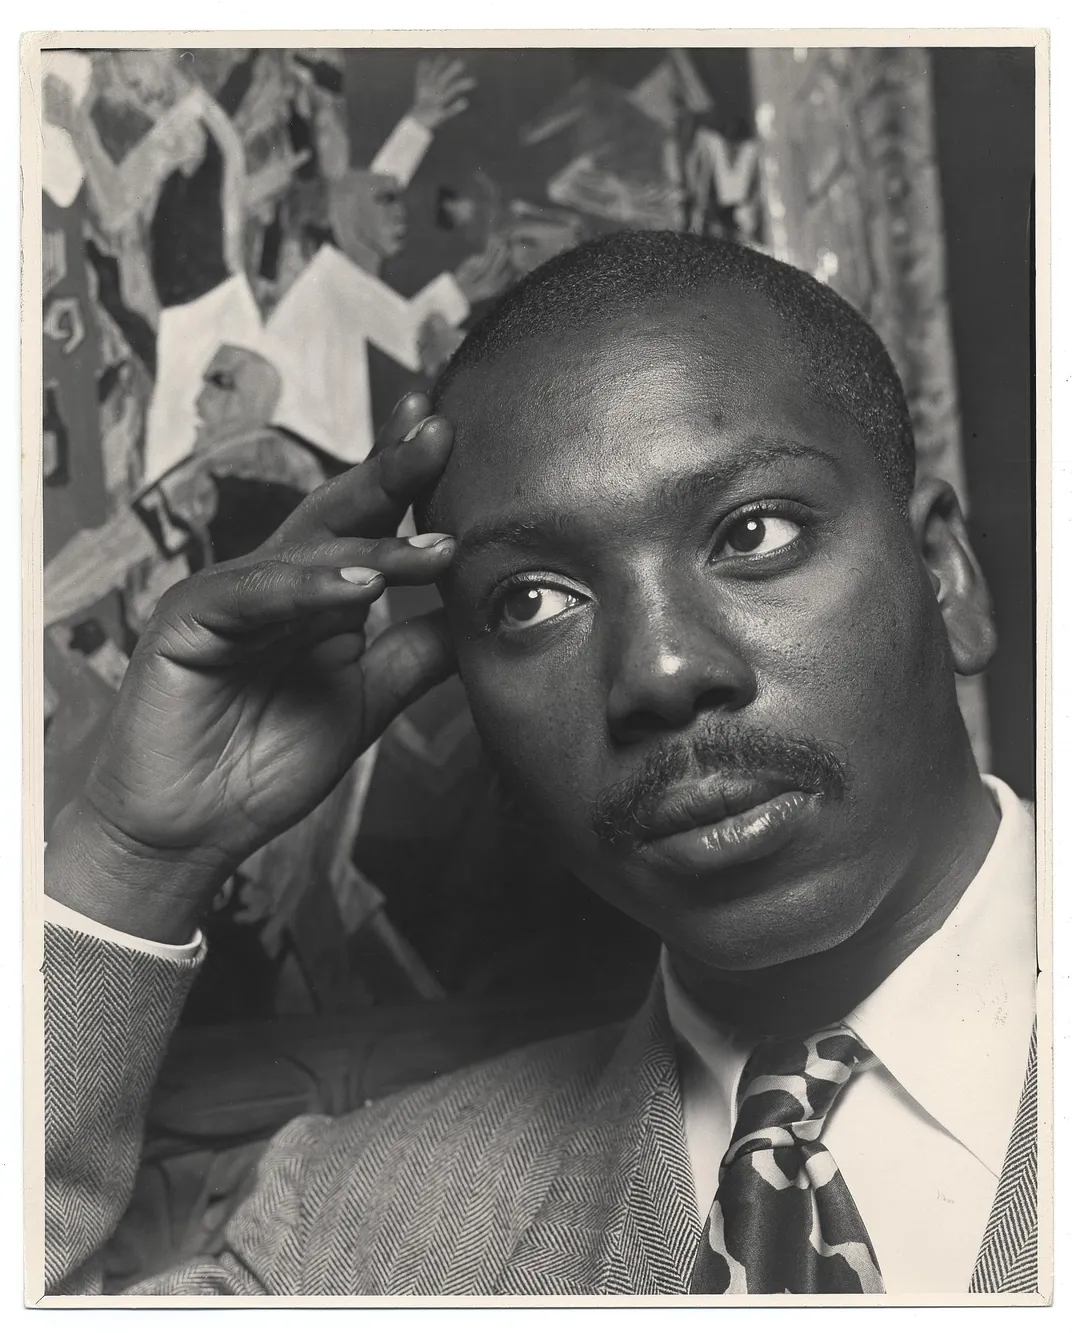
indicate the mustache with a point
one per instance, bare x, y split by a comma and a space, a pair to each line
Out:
729, 751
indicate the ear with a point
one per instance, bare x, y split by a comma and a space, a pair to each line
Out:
963, 598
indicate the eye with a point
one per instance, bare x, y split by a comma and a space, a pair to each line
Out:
758, 533
531, 604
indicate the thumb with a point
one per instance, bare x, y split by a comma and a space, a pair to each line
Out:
402, 664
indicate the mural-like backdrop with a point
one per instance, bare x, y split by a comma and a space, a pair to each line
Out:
249, 255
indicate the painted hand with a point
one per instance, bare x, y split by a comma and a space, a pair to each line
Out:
439, 92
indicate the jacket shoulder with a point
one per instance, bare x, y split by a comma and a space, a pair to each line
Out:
428, 1190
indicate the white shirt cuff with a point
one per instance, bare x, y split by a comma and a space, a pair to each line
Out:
58, 914
403, 151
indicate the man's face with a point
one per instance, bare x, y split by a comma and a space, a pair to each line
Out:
239, 387
367, 209
695, 629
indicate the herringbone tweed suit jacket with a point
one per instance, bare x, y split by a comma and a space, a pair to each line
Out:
561, 1169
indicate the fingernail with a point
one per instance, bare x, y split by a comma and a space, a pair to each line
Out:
412, 435
355, 574
426, 539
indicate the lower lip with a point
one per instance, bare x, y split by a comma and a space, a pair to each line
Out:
737, 839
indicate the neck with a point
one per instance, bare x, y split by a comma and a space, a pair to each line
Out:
805, 994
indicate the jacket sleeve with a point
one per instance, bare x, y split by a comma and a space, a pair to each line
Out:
109, 1012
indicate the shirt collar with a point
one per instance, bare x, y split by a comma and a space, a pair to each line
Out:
714, 1056
952, 1023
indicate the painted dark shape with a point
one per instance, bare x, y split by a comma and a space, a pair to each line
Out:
134, 327
186, 233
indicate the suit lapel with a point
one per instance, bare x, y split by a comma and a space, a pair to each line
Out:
618, 1217
1008, 1258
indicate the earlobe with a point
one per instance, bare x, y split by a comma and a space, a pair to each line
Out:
959, 586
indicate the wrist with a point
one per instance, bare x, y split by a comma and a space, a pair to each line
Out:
154, 894
425, 119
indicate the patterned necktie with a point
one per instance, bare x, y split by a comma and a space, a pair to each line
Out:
783, 1220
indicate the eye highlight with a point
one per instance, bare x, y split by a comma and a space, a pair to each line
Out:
758, 532
527, 604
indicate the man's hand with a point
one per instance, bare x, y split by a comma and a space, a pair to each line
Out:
439, 92
251, 692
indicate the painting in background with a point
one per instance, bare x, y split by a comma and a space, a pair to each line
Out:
249, 256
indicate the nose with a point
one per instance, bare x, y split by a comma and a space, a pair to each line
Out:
671, 658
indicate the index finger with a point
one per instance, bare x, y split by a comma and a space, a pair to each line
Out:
407, 415
370, 500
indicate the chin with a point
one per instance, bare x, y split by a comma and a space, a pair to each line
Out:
744, 922
784, 925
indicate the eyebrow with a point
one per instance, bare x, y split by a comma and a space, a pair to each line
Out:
674, 493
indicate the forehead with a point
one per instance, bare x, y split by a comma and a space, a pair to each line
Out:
595, 414
229, 357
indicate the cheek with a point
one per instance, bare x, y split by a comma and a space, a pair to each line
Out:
856, 653
542, 726
211, 403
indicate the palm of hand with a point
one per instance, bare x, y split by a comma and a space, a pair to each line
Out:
251, 691
238, 740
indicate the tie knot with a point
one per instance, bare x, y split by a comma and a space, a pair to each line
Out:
789, 1086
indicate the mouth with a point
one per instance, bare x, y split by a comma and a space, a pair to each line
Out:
716, 823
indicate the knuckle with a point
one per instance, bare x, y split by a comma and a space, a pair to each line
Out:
254, 582
174, 602
293, 553
308, 580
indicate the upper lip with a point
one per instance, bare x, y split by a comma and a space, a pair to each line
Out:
700, 802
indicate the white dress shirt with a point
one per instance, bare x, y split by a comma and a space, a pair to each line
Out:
921, 1138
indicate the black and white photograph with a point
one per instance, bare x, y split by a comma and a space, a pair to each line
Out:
542, 787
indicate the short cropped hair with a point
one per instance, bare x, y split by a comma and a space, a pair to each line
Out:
843, 358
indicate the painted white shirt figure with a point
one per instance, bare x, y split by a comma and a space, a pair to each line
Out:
325, 322
187, 338
328, 319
